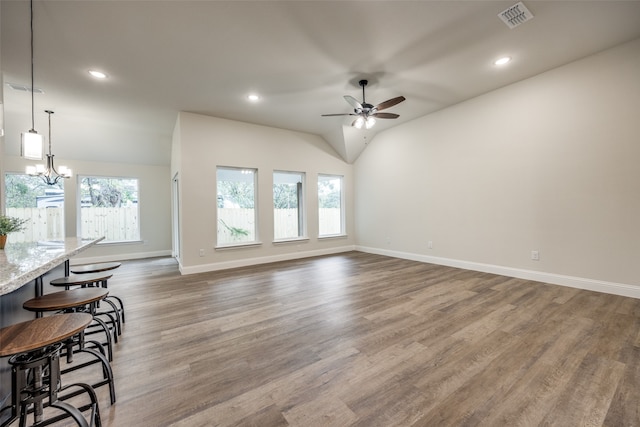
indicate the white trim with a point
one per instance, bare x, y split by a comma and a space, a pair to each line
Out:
204, 268
121, 257
292, 240
333, 236
238, 246
622, 289
121, 242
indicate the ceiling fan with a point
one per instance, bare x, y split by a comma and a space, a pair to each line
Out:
367, 113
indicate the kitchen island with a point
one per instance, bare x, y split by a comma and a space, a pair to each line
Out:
20, 263
22, 267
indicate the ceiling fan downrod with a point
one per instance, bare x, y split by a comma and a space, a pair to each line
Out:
362, 84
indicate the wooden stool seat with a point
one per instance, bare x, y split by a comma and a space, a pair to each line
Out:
66, 299
37, 333
81, 279
94, 268
81, 299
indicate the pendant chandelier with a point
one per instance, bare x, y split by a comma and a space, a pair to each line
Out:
49, 174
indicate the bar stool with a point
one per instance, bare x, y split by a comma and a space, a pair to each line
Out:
92, 279
81, 299
34, 347
99, 268
94, 268
82, 280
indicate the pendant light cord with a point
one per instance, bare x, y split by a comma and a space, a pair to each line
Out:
33, 126
49, 112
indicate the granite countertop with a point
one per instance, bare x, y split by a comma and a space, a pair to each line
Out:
20, 263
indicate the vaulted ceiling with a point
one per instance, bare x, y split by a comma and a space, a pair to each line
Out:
301, 57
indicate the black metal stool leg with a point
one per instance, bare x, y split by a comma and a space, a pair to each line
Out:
73, 413
95, 409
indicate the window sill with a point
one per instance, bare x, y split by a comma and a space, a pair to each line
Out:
120, 242
291, 241
238, 246
333, 236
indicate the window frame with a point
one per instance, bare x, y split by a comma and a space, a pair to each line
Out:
342, 232
138, 204
302, 211
256, 241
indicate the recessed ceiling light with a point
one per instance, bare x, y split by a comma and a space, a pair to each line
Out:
98, 74
253, 97
502, 61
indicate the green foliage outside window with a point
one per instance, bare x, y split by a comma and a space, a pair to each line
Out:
22, 190
236, 193
329, 195
108, 192
285, 196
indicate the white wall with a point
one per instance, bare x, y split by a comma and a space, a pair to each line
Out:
155, 207
206, 142
547, 164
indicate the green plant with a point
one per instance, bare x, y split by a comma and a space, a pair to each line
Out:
9, 224
236, 233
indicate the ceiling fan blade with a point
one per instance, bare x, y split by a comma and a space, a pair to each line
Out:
385, 115
343, 114
389, 103
353, 102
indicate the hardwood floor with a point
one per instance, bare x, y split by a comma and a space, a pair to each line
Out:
364, 340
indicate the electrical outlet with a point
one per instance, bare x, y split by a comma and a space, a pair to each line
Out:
201, 252
535, 255
430, 244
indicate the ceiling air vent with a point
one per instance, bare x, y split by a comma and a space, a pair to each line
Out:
23, 88
515, 15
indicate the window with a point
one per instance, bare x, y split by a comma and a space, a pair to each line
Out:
109, 207
42, 205
330, 205
288, 205
236, 193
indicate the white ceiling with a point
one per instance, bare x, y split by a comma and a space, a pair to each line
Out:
302, 57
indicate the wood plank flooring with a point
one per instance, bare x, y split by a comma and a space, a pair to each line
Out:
364, 340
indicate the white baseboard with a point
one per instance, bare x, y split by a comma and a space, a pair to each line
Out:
122, 257
203, 268
539, 276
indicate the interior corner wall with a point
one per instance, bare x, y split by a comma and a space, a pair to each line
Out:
207, 142
549, 164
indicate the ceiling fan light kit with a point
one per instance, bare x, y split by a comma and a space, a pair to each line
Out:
361, 122
367, 113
